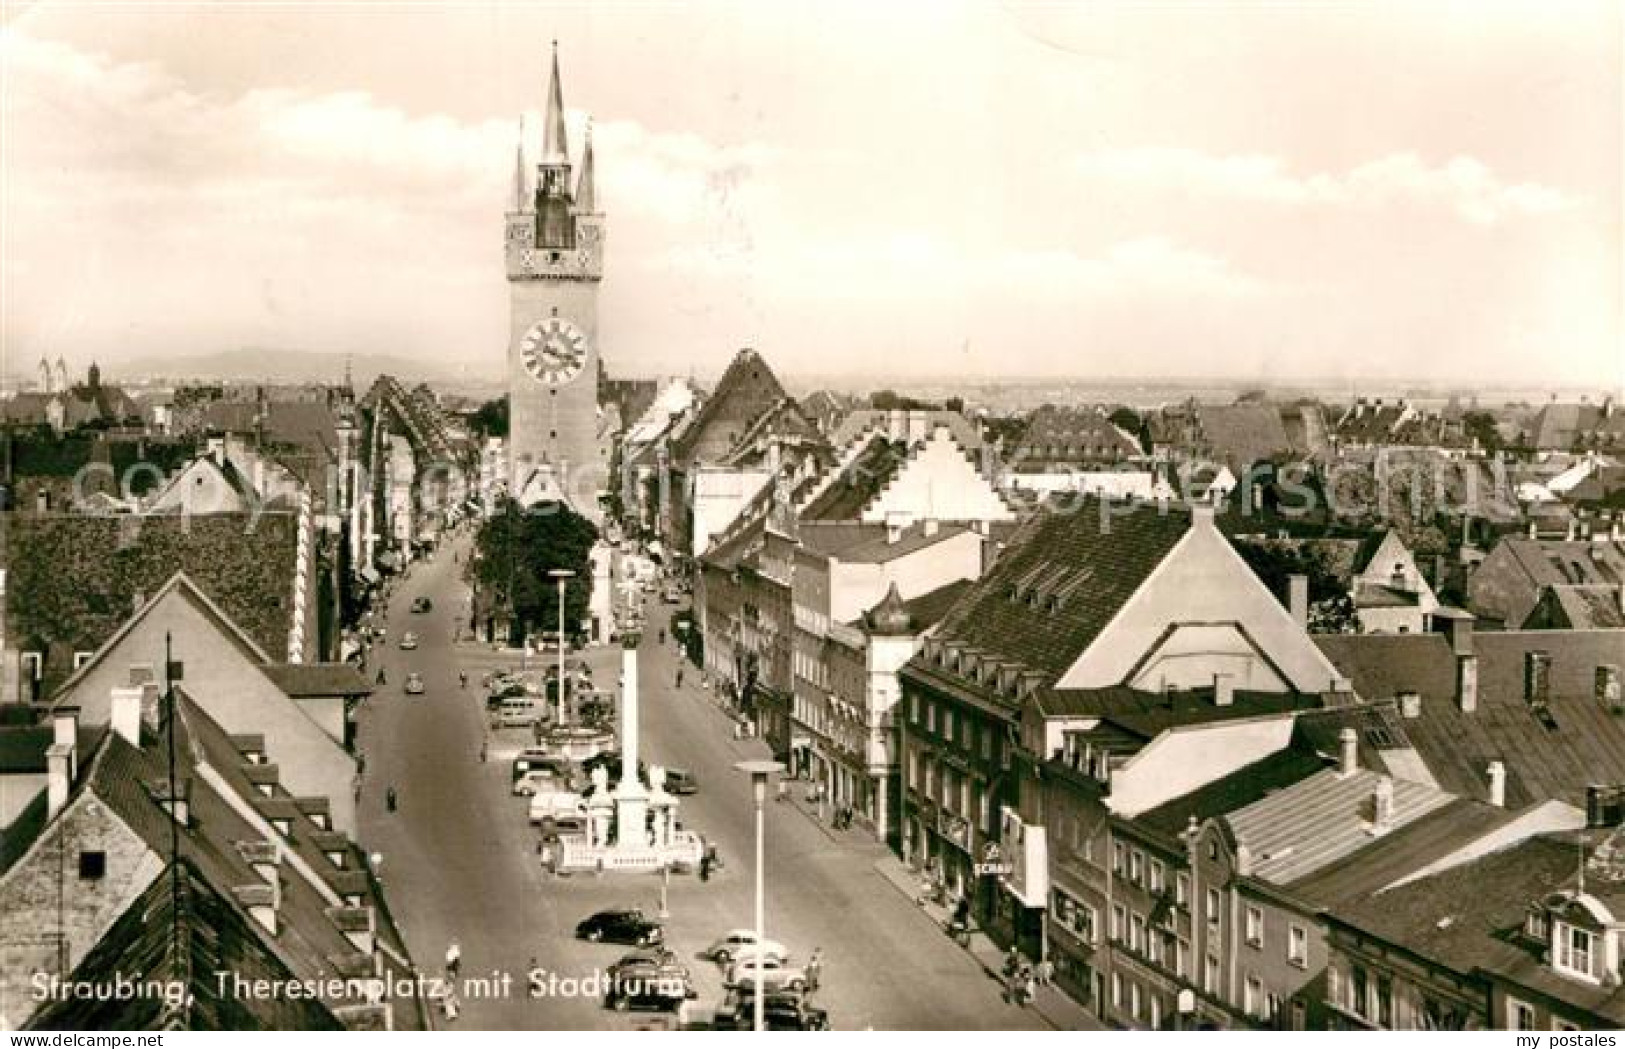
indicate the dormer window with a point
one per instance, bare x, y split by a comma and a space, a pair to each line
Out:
1537, 925
1577, 952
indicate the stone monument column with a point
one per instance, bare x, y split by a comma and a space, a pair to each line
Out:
631, 801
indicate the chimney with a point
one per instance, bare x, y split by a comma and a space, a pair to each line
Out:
126, 714
1224, 690
1497, 773
1410, 705
1298, 599
1460, 631
1537, 678
1382, 805
1467, 683
1603, 808
65, 733
217, 450
1608, 686
1348, 752
58, 780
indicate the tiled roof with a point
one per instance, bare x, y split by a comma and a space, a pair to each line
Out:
1468, 918
1242, 434
22, 749
318, 679
1402, 852
1068, 553
1318, 821
1068, 435
747, 388
215, 936
928, 608
872, 543
1229, 793
1581, 743
855, 487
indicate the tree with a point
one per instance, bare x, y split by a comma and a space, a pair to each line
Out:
1480, 426
513, 553
491, 418
1331, 610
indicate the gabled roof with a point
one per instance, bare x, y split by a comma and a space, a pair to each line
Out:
1242, 434
1468, 918
747, 388
300, 680
1059, 435
1317, 821
855, 487
871, 543
1062, 549
214, 937
1580, 742
182, 586
1402, 852
1229, 793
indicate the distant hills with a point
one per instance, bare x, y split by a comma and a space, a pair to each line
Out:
281, 366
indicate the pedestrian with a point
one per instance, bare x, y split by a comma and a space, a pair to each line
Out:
662, 637
679, 677
483, 751
784, 790
454, 960
1029, 989
705, 867
376, 862
1012, 961
1046, 973
815, 968
380, 676
450, 1005
389, 799
462, 679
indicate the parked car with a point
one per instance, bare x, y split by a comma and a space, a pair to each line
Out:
536, 781
539, 759
422, 604
621, 926
409, 641
730, 944
781, 1011
777, 974
681, 781
649, 988
556, 803
658, 960
414, 684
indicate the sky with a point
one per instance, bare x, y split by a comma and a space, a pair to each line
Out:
1360, 191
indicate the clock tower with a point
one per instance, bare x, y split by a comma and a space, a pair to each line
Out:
554, 251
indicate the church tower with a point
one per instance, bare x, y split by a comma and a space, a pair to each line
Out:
555, 252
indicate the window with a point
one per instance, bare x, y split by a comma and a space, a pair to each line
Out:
1252, 996
1210, 975
931, 716
1520, 1015
1385, 1001
1156, 1013
1119, 858
1156, 876
1213, 906
1119, 916
1154, 946
1117, 991
1297, 946
1182, 889
914, 707
1537, 926
1359, 985
1134, 1000
1576, 950
81, 658
1136, 939
1182, 958
92, 865
1255, 926
1272, 1006
948, 725
1563, 1025
1136, 866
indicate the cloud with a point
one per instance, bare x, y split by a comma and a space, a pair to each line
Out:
1463, 186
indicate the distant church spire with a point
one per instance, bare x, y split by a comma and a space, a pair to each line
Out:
586, 197
521, 188
555, 147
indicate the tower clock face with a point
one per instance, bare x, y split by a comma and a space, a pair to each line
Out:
554, 351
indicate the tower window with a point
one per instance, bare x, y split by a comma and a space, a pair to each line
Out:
552, 435
92, 865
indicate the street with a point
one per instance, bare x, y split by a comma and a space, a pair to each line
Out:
459, 859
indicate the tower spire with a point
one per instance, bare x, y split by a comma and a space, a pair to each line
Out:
521, 194
586, 197
555, 147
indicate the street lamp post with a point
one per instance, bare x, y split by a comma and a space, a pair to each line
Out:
665, 883
759, 771
560, 575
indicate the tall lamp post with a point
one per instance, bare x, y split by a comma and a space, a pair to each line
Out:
560, 575
759, 771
